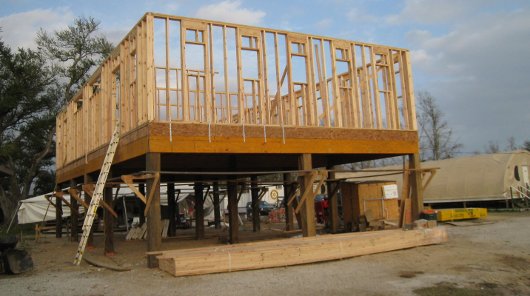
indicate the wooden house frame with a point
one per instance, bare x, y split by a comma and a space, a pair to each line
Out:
222, 101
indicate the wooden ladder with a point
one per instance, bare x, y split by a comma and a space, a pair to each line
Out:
98, 193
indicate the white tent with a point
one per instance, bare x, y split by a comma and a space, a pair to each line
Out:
38, 209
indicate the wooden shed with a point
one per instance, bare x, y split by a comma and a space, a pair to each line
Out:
217, 104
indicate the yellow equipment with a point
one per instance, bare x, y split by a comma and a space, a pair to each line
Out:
461, 214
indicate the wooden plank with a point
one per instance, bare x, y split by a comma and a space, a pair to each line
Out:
354, 88
293, 251
409, 90
375, 89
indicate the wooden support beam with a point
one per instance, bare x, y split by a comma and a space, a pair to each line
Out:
332, 188
90, 241
199, 210
289, 193
308, 204
129, 181
77, 196
216, 206
171, 204
154, 229
109, 223
74, 215
404, 205
60, 194
151, 197
89, 189
416, 189
256, 227
58, 217
141, 189
233, 220
431, 173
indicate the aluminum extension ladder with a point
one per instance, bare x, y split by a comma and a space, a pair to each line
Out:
98, 193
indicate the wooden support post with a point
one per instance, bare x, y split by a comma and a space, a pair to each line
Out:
256, 227
216, 206
154, 229
199, 210
74, 216
308, 207
233, 220
108, 221
171, 208
416, 189
347, 208
58, 217
332, 188
289, 210
141, 188
90, 241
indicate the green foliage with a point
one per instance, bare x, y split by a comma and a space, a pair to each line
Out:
34, 85
26, 110
74, 52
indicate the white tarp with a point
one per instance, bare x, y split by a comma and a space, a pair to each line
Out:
38, 209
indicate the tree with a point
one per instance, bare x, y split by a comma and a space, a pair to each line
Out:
34, 85
493, 147
526, 145
511, 144
26, 113
74, 53
436, 137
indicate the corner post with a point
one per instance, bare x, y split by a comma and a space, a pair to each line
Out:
154, 229
308, 208
416, 185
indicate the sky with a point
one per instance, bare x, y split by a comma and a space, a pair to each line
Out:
473, 56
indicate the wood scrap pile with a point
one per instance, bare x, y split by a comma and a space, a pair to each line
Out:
257, 255
140, 232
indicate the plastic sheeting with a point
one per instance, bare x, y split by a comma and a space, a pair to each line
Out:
38, 209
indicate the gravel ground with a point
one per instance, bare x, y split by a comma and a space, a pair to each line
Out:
491, 258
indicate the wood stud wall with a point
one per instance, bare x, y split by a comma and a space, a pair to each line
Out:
174, 69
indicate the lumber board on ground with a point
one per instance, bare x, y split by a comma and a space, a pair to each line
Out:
286, 252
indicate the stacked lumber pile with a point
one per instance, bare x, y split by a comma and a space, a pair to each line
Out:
293, 251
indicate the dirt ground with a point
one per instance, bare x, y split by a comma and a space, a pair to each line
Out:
488, 258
